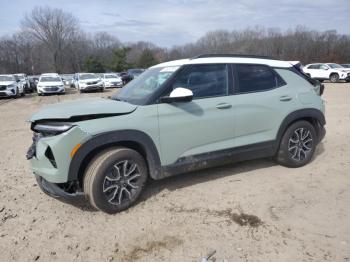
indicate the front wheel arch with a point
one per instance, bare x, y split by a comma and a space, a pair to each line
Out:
133, 139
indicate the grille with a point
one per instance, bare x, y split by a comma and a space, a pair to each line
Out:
2, 87
92, 83
53, 88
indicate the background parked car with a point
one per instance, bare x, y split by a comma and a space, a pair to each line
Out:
68, 80
126, 77
88, 82
25, 81
135, 72
112, 80
11, 86
332, 72
33, 82
50, 84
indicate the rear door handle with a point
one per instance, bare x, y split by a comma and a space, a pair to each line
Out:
223, 106
285, 98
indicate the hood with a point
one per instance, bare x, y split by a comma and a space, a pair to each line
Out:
7, 83
50, 83
84, 108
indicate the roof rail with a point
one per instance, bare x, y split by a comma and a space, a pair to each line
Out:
234, 55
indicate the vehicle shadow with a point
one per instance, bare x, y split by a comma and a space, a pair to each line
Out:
154, 187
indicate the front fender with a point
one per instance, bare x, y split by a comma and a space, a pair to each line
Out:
103, 140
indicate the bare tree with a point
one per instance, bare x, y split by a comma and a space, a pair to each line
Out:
54, 28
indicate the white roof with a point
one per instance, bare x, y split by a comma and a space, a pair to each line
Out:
224, 60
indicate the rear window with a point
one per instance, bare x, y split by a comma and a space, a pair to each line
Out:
256, 78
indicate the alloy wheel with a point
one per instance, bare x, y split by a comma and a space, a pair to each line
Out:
121, 182
300, 144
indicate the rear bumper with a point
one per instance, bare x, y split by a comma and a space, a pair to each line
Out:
57, 192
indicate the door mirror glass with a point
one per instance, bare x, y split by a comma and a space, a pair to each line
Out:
179, 94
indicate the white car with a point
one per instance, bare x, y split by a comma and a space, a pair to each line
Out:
11, 86
112, 80
88, 82
24, 79
50, 84
332, 72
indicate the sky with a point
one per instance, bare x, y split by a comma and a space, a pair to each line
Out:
175, 22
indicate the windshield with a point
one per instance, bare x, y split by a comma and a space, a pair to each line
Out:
88, 76
50, 79
142, 88
7, 78
111, 76
334, 66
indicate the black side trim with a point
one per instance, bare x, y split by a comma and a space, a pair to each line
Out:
300, 114
221, 157
103, 140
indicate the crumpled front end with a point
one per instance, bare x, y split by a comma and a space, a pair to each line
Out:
50, 155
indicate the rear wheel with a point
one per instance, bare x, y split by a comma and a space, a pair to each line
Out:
115, 179
334, 78
297, 145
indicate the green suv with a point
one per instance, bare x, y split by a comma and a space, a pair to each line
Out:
176, 117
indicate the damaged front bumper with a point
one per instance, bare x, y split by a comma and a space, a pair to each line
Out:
50, 156
54, 190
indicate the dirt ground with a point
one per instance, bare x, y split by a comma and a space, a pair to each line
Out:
296, 214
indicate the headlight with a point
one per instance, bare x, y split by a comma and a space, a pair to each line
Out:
11, 86
51, 129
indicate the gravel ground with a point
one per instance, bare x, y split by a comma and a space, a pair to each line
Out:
251, 211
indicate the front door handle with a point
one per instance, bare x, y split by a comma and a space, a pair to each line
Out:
223, 106
285, 98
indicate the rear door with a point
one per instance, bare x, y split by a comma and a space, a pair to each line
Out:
262, 99
203, 125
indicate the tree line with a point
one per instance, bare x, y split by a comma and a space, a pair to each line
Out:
51, 40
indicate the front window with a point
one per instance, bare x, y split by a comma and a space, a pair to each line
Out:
88, 76
7, 78
142, 88
204, 81
50, 79
335, 66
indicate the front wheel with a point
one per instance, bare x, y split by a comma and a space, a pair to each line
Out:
115, 179
297, 145
334, 78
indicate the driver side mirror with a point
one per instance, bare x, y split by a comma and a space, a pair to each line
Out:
179, 94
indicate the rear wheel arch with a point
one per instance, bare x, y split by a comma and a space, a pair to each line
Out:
311, 115
133, 139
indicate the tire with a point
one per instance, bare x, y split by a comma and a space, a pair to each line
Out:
297, 145
107, 184
17, 93
23, 92
334, 78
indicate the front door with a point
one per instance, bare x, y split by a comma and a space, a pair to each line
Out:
203, 125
